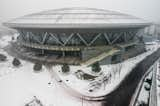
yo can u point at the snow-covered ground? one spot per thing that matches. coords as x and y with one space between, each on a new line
19 85
144 94
18 88
117 73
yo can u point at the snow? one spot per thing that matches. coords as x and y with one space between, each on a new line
152 45
144 94
18 85
158 84
117 71
153 94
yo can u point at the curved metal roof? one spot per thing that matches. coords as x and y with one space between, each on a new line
77 18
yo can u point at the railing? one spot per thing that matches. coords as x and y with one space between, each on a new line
153 91
153 97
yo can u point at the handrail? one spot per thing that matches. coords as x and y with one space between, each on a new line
153 91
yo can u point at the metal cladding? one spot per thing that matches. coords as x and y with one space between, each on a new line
77 18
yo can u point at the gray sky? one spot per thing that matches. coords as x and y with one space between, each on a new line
147 9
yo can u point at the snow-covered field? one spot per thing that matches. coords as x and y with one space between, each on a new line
19 85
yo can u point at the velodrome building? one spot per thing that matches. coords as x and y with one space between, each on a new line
79 36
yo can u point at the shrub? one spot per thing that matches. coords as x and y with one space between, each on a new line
12 38
149 81
65 68
85 76
3 57
96 67
147 87
142 103
16 62
37 67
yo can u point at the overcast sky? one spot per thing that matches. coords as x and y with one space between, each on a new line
147 9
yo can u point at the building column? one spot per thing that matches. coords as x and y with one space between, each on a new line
63 53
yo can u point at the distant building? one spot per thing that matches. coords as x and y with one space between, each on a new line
80 35
158 31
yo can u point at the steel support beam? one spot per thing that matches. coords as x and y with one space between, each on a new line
94 39
52 35
125 36
119 35
132 34
70 36
35 39
107 38
82 39
27 36
23 36
110 37
44 38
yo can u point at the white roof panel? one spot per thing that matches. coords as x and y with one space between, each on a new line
77 18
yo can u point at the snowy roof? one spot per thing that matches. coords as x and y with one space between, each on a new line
77 18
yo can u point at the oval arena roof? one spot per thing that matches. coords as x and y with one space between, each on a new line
77 18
